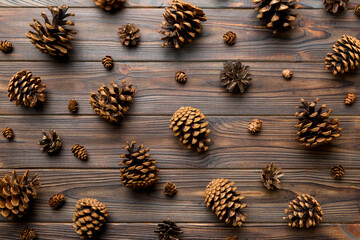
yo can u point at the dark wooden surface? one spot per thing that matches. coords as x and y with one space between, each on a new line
235 154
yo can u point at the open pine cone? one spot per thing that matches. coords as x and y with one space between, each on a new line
113 103
223 199
50 143
168 230
314 126
17 194
53 37
235 76
335 6
182 23
270 176
304 211
345 56
138 170
6 46
129 35
28 233
109 5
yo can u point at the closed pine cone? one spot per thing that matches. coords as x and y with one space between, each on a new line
337 171
129 35
223 199
57 200
287 74
90 216
255 125
277 14
229 38
314 125
170 189
108 62
50 143
235 76
182 23
350 98
137 169
109 5
357 10
113 103
168 230
335 6
53 37
28 233
345 56
26 90
232 238
270 176
79 151
304 211
8 133
181 77
17 194
6 46
188 124
73 105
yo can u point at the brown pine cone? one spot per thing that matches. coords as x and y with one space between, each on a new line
287 74
270 176
229 38
57 200
232 238
79 152
170 189
235 76
337 171
6 46
181 77
50 143
350 98
73 105
108 62
168 230
357 10
129 35
28 233
255 125
109 5
8 133
335 6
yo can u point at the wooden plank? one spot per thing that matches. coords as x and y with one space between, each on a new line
159 93
233 147
317 31
192 231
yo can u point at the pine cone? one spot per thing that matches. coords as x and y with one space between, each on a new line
8 133
314 126
335 6
79 152
304 211
168 230
109 5
337 171
270 176
235 76
6 46
90 215
255 125
53 37
28 233
73 105
26 89
345 56
138 170
277 14
108 62
129 35
182 23
357 10
17 194
181 77
350 98
170 189
287 74
57 200
113 104
232 238
188 124
50 143
223 199
229 38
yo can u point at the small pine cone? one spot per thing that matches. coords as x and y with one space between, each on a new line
6 46
188 124
26 90
50 143
73 105
28 233
255 125
129 35
79 152
181 77
337 171
8 133
223 199
109 5
335 6
270 176
350 98
89 217
287 74
232 238
170 189
235 76
304 211
168 230
108 62
357 10
229 38
57 200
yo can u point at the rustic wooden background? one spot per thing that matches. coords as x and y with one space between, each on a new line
235 154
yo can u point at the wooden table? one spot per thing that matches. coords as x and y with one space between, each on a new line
235 154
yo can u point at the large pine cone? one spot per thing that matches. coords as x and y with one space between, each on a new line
138 170
26 90
235 76
182 23
314 126
50 143
54 37
129 35
168 230
108 5
277 14
345 56
113 104
17 194
304 211
270 176
223 199
90 215
335 6
188 124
